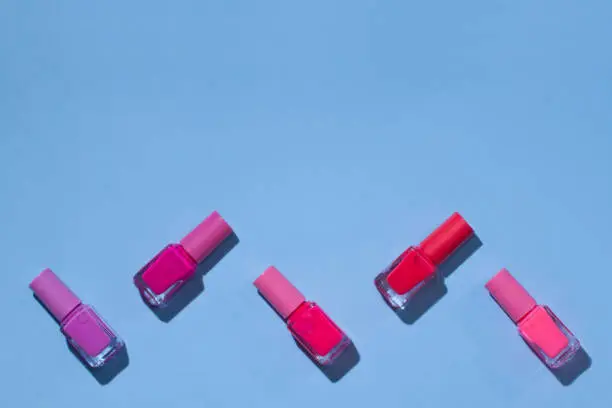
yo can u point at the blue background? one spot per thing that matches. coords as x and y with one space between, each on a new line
331 135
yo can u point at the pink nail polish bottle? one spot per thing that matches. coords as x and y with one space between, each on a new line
308 323
85 330
159 279
538 326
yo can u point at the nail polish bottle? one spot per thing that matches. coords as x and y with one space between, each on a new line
538 326
84 329
399 282
306 321
174 265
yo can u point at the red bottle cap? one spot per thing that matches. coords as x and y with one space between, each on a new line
207 236
446 238
510 295
279 292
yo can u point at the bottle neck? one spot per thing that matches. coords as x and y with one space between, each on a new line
71 314
524 317
184 252
294 312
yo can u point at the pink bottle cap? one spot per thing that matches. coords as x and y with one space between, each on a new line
510 295
207 236
282 295
54 294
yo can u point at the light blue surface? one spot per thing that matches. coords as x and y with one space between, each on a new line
331 135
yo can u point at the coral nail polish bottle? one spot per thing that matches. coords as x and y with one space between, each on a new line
85 330
307 322
159 279
538 326
399 282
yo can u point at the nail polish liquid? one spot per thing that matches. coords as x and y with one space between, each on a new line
85 330
547 336
416 266
174 265
322 339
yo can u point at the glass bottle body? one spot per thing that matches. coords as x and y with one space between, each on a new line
317 333
548 337
400 281
164 275
94 340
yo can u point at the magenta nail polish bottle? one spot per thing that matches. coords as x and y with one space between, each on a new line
84 329
174 265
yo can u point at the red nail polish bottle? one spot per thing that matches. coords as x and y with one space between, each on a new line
412 269
538 326
307 322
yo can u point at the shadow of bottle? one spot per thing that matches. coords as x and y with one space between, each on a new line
340 367
573 369
105 374
111 369
195 286
435 289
